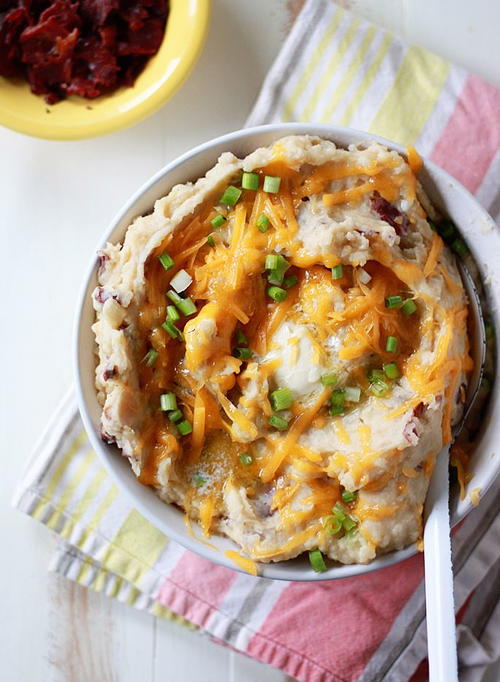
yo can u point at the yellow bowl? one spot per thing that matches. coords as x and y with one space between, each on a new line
76 117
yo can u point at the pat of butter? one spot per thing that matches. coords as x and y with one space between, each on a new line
301 364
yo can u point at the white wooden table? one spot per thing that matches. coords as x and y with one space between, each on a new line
55 201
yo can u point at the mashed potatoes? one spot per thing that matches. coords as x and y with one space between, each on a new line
283 349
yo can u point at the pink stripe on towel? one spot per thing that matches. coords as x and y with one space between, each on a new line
472 135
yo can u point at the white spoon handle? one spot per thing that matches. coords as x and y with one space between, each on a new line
441 637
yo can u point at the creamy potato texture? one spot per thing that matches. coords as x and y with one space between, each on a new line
312 358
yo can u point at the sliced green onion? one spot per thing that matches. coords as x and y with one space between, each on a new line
185 427
349 524
210 241
250 181
316 560
349 496
271 184
393 301
379 388
173 313
168 402
409 307
447 230
338 272
166 261
329 379
186 306
199 480
263 223
246 459
242 353
339 512
151 357
290 281
271 262
277 294
180 281
230 196
241 339
391 370
338 397
391 345
175 416
460 247
375 375
336 410
333 525
171 329
218 220
281 399
278 422
352 394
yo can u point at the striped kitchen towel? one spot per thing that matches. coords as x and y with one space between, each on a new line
334 67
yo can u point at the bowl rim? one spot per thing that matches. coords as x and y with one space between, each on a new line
275 570
51 129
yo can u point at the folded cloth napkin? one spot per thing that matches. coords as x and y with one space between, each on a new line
334 67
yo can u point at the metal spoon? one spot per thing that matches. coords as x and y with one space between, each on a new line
441 638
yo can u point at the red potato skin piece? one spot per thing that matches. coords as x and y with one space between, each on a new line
85 47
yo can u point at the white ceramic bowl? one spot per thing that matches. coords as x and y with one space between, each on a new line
447 195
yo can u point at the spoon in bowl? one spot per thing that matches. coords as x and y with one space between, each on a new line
441 638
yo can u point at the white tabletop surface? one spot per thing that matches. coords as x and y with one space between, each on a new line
56 200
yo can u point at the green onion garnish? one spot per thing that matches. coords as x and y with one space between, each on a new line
391 370
375 375
349 496
241 339
271 262
166 261
151 357
336 410
198 479
246 459
218 221
409 307
168 402
447 230
171 329
338 272
290 281
281 399
333 525
271 184
329 379
278 422
391 345
172 313
230 196
250 181
393 301
338 397
460 247
263 223
352 394
242 353
379 388
186 306
185 427
210 241
277 294
317 562
175 416
349 524
341 515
